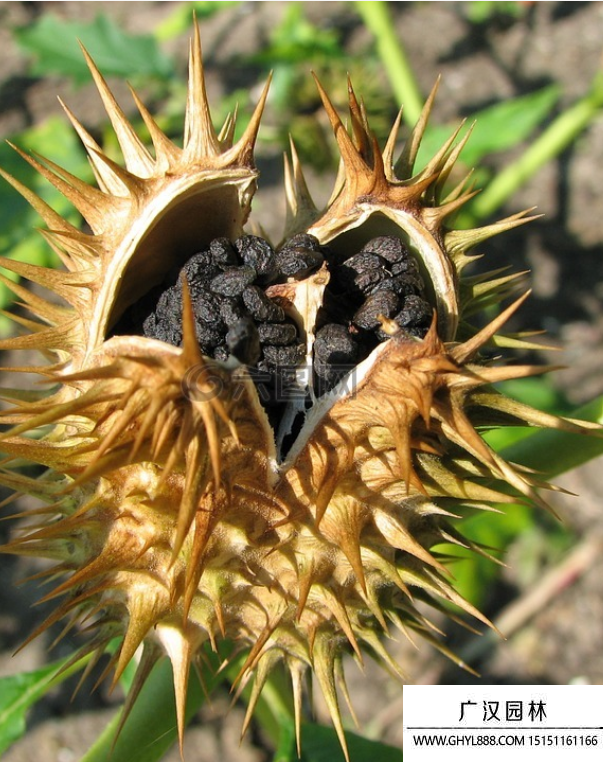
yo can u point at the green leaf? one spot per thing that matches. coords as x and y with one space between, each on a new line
558 135
19 692
298 40
498 128
54 139
19 237
482 12
378 19
150 729
539 393
182 18
549 452
552 452
321 744
54 43
473 574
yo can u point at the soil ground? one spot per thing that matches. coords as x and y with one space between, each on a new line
556 638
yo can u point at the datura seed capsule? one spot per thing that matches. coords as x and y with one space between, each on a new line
255 443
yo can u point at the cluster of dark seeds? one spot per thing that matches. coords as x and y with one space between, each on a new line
381 280
234 316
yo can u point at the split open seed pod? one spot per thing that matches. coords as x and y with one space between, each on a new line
180 511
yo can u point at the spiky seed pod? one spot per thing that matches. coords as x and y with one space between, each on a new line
183 506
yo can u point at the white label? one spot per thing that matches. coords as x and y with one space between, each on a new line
488 723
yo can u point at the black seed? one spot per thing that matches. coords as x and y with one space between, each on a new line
165 323
304 241
416 312
287 357
198 268
335 354
243 341
298 262
348 277
206 307
163 330
231 310
328 375
322 368
414 318
362 262
220 353
370 280
261 307
233 281
405 266
379 303
334 345
208 336
223 253
169 308
149 326
279 334
170 302
389 247
402 285
258 254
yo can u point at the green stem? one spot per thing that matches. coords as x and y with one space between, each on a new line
276 696
43 681
553 452
274 708
60 677
150 729
378 19
556 138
